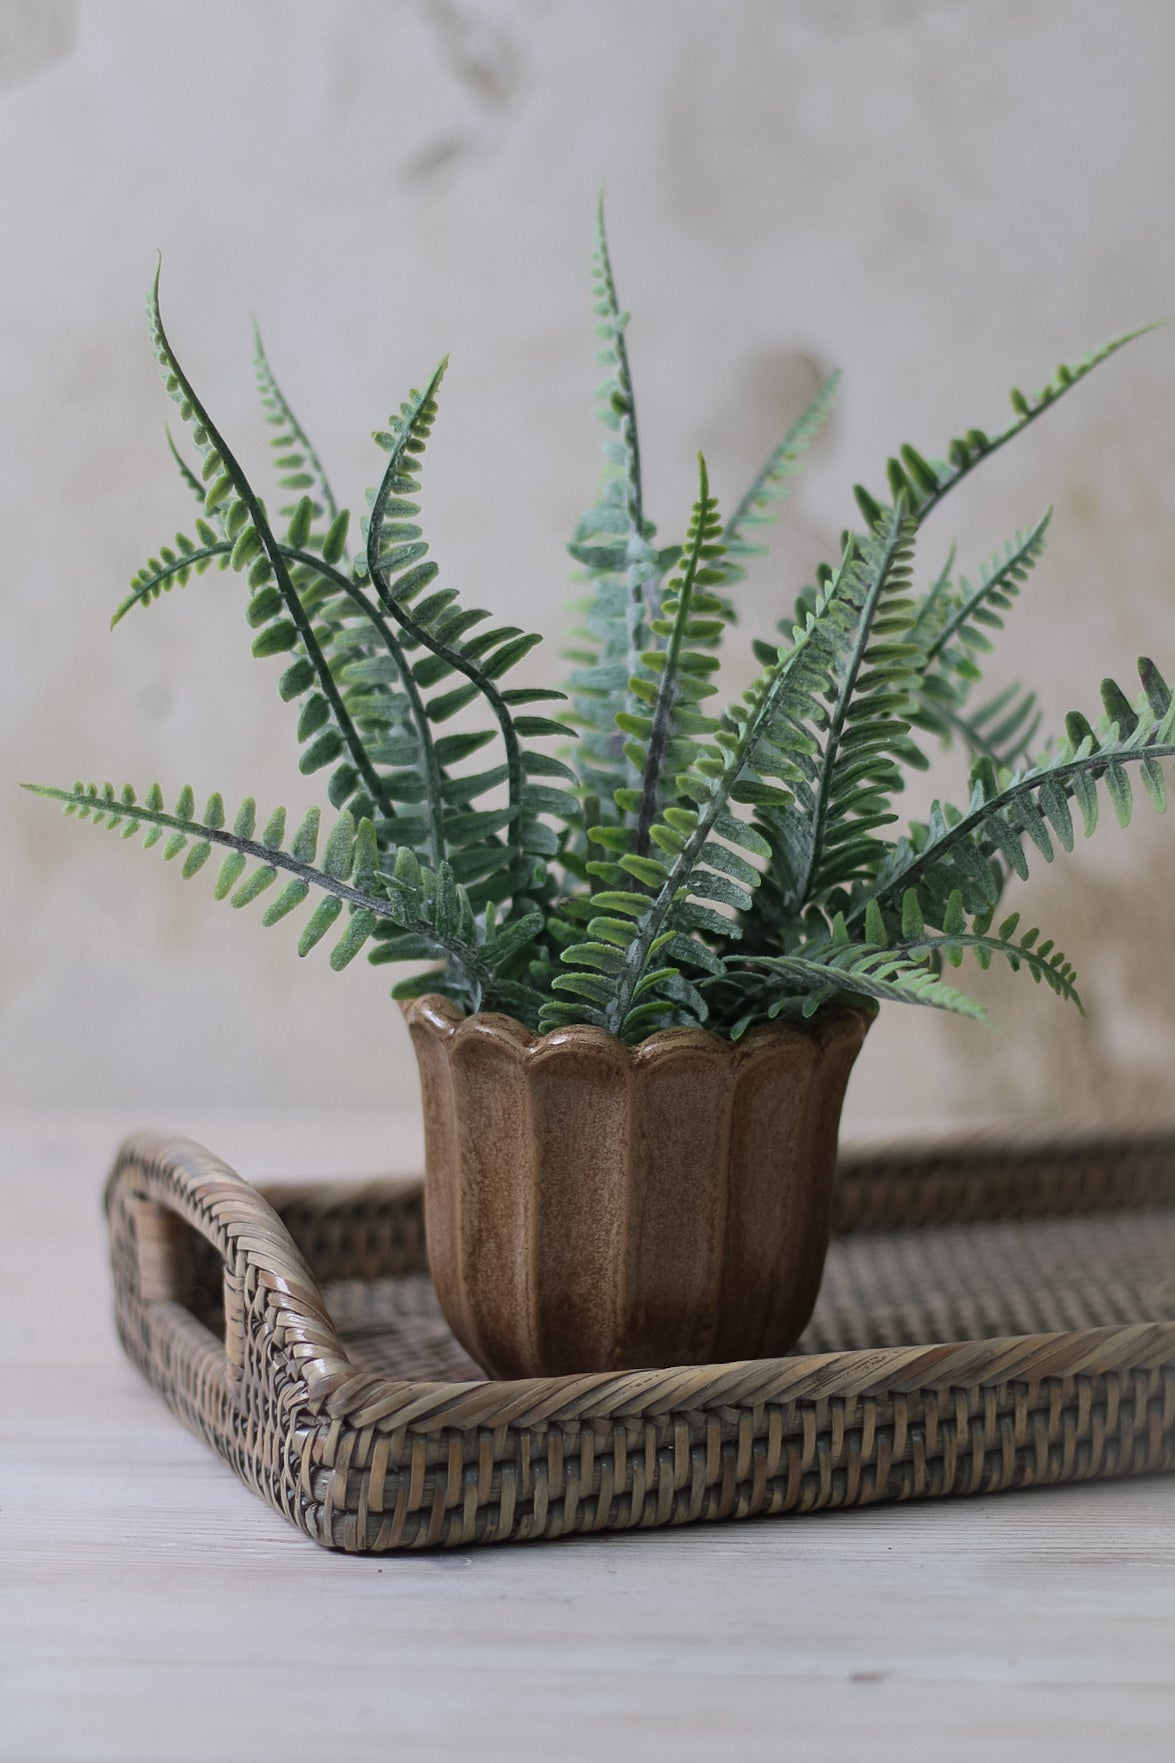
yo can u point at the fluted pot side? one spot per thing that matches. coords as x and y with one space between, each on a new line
591 1206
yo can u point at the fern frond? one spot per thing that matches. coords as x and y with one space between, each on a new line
757 757
924 484
174 566
429 908
613 542
400 571
662 737
1039 958
275 609
799 985
964 850
195 487
845 795
759 506
299 466
890 964
381 696
972 611
616 394
952 627
1002 730
933 608
395 729
663 741
379 750
674 866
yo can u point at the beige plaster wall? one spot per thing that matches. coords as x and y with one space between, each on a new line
942 198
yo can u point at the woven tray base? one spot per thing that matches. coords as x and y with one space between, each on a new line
954 1282
1020 1332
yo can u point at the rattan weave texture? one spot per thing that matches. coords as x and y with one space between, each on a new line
992 1317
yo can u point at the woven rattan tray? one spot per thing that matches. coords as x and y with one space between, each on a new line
992 1317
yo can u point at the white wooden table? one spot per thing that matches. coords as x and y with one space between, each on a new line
152 1610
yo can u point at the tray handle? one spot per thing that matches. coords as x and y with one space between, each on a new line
271 1298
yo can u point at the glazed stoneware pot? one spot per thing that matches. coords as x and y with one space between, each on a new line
591 1206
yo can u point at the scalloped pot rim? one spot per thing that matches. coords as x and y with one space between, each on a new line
441 1018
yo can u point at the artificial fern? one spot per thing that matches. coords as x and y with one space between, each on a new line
668 863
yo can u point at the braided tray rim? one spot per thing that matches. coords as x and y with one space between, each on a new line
365 1463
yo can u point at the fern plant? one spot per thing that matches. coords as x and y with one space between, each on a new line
652 860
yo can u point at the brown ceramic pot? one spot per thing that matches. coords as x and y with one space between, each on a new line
591 1206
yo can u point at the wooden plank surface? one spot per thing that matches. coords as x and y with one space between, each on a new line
153 1611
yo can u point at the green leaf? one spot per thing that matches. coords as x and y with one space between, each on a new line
334 545
340 848
321 920
645 869
277 639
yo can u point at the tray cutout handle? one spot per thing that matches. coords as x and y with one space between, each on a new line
166 1266
164 1194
